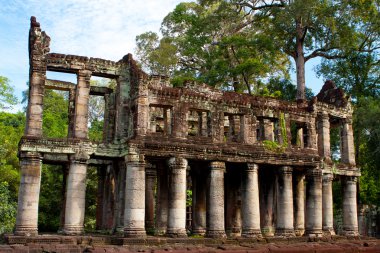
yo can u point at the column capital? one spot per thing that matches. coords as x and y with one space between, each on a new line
252 167
351 179
313 174
177 163
327 178
31 155
285 170
217 165
347 120
84 73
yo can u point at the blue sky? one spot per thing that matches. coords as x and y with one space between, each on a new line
97 28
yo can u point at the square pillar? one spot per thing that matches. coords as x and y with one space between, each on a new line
324 136
82 96
348 148
29 193
150 203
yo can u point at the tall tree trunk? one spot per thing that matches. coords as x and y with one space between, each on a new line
300 61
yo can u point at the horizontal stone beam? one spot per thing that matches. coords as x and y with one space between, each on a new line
59 85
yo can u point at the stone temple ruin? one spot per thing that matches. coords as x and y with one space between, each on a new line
257 166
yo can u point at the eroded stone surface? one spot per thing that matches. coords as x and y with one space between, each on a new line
160 141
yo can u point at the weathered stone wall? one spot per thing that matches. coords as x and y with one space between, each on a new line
248 157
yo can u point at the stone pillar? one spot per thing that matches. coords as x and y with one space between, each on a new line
162 199
121 194
267 202
350 212
75 196
348 148
150 177
268 130
250 203
71 112
215 201
28 196
134 211
324 136
199 202
299 205
327 205
284 223
99 198
177 197
300 142
81 104
65 173
233 202
314 202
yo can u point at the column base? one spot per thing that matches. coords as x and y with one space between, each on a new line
314 232
216 234
134 233
26 230
199 231
251 233
328 231
160 231
72 230
267 231
288 232
299 232
176 233
350 232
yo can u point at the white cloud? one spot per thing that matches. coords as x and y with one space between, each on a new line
97 28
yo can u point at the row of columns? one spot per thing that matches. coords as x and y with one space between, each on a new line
293 215
208 204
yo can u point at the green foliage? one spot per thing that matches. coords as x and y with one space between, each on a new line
95 132
274 146
7 98
11 130
55 115
367 134
91 191
7 209
189 198
50 204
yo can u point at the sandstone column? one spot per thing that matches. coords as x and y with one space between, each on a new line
121 194
327 205
177 197
250 204
267 202
284 224
233 202
348 148
75 196
268 130
314 202
324 136
350 213
215 201
150 177
134 212
199 203
299 205
28 196
81 104
162 199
